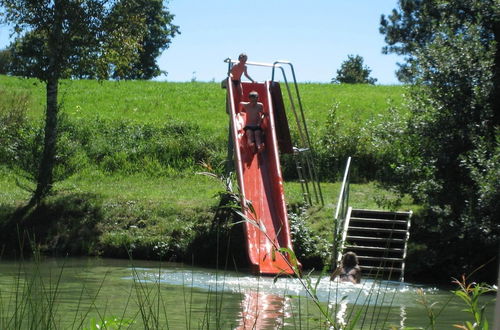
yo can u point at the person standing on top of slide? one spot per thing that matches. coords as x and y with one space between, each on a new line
237 71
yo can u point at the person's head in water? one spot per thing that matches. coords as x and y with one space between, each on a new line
350 259
253 95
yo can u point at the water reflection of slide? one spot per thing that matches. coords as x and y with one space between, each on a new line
261 184
260 310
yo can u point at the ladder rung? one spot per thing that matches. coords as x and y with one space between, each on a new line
365 211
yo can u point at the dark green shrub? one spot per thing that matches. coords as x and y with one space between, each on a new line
368 144
20 139
312 251
114 147
5 60
447 156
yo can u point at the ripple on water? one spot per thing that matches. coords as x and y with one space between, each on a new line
371 292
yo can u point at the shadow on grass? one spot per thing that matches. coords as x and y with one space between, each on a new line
60 225
221 242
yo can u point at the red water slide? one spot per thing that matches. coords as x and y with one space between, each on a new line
261 185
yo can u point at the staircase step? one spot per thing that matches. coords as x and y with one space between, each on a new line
380 259
385 230
384 269
379 220
375 239
367 211
373 248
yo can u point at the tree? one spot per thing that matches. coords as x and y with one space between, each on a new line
158 36
450 147
53 39
5 60
352 71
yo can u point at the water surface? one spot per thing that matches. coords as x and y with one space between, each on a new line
176 296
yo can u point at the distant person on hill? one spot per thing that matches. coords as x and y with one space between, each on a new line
238 70
349 270
254 113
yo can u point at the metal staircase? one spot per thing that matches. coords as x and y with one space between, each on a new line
380 240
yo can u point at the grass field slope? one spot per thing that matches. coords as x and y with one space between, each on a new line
129 152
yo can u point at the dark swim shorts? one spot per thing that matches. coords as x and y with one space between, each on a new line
252 128
235 82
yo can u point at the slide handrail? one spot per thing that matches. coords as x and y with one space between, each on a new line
302 129
234 135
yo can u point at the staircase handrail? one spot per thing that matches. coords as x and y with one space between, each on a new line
340 215
341 211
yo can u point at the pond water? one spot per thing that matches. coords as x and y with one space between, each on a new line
79 291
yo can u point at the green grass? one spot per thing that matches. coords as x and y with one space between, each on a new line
357 103
147 211
178 192
131 149
11 193
137 101
197 102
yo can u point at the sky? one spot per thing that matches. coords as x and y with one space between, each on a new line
316 36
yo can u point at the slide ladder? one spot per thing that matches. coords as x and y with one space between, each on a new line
303 152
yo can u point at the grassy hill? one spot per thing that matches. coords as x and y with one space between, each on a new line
195 102
129 153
